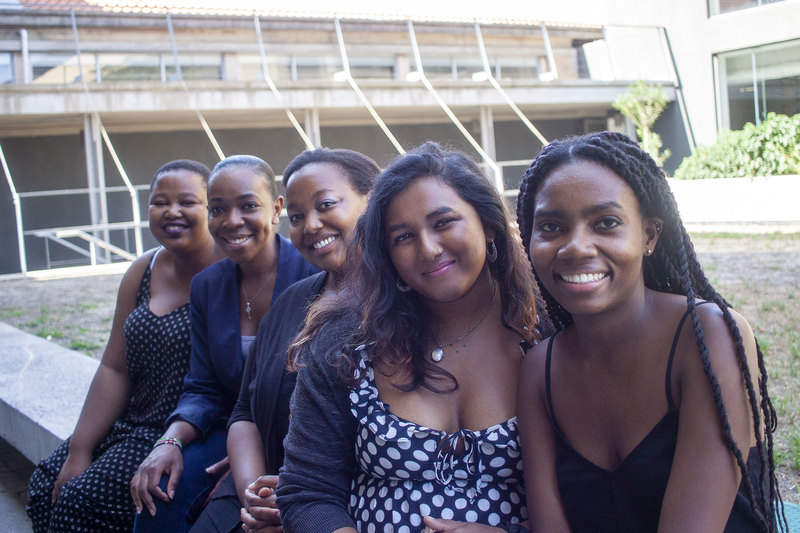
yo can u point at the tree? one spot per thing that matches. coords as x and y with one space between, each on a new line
642 105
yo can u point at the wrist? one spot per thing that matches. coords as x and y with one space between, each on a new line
173 441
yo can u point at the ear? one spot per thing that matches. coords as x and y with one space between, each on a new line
489 233
652 231
277 207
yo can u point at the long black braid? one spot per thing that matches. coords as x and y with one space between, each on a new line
672 268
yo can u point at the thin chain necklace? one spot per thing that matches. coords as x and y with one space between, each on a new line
437 354
248 309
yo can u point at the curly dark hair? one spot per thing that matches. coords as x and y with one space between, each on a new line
672 268
397 323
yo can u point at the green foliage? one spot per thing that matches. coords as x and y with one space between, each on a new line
770 149
642 105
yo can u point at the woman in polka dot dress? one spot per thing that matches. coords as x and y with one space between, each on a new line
83 485
404 413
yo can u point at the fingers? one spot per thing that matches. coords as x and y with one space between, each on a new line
172 484
251 523
219 466
264 481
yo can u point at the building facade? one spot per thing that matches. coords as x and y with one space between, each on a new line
96 96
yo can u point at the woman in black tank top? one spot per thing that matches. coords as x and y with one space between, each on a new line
647 411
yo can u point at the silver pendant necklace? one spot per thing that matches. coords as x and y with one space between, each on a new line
248 309
437 354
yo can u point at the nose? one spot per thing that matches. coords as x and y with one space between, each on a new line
312 223
234 218
429 248
174 210
579 244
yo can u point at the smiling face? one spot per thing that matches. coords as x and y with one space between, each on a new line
588 238
323 208
178 215
241 213
436 240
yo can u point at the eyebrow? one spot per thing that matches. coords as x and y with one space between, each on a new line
433 214
591 210
240 197
315 196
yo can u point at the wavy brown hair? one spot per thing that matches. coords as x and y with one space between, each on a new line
396 324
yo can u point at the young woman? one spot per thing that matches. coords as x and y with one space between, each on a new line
326 192
83 485
404 406
648 410
227 302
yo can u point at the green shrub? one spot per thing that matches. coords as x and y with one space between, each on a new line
770 149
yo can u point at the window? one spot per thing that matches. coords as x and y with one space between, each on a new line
60 68
6 69
718 7
129 67
757 81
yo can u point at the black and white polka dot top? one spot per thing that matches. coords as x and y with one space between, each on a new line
407 471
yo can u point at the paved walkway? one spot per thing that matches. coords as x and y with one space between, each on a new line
15 470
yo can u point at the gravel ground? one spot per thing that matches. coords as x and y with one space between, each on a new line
758 274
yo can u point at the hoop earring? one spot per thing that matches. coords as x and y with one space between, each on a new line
401 286
491 251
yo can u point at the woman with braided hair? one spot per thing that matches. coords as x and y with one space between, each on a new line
648 410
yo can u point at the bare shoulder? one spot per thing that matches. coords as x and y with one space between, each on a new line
129 285
533 364
723 338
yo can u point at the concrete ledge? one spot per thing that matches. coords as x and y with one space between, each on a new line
42 389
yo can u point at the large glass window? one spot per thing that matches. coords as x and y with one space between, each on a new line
60 68
280 67
758 81
197 67
129 67
6 68
717 7
317 68
372 67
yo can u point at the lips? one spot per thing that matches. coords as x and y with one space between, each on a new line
237 240
324 242
439 269
174 229
584 277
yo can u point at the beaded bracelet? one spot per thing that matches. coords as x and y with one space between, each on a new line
169 440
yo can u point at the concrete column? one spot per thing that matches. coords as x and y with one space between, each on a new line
487 132
312 126
96 176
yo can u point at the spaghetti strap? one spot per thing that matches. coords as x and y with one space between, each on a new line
153 259
547 383
668 377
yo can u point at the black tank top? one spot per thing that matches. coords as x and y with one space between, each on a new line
628 499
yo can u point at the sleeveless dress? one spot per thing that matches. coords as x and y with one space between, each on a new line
407 471
629 498
157 359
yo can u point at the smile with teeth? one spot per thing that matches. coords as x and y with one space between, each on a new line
237 240
323 243
174 227
583 278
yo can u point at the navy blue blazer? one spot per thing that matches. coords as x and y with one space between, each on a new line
212 385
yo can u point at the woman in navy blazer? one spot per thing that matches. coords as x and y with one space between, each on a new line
228 300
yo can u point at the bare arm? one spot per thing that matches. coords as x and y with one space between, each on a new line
110 390
545 510
705 477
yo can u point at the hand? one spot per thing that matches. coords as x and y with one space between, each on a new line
164 459
440 524
75 465
221 468
260 512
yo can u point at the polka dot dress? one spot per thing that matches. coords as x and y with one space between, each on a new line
157 359
408 471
